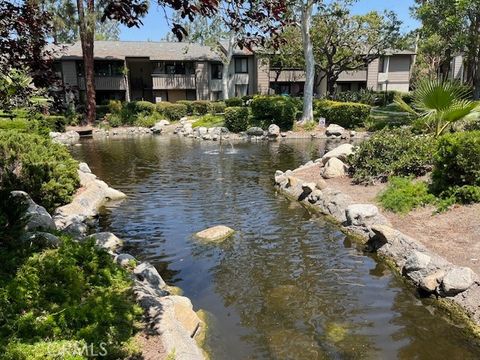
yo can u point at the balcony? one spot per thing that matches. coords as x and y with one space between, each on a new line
173 81
288 76
105 83
358 75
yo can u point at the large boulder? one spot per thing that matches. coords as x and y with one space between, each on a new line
364 215
416 261
341 152
35 217
146 272
107 241
457 280
66 138
334 130
334 168
215 234
255 131
273 131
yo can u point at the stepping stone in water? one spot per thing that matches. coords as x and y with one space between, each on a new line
216 233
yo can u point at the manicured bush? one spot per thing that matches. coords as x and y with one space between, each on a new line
172 112
392 152
200 107
235 101
403 195
35 164
189 104
457 166
75 293
143 107
216 107
236 118
279 110
345 114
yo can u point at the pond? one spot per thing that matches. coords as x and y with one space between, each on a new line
288 284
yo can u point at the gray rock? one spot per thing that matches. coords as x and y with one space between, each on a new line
359 214
107 241
273 131
83 167
66 138
341 152
431 282
124 260
147 272
35 217
334 130
215 233
457 280
255 131
43 239
334 203
416 261
334 168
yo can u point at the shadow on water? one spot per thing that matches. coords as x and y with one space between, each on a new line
287 285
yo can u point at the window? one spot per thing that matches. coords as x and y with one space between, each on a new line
217 71
241 65
102 68
382 65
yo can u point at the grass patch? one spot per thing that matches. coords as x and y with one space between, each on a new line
209 121
403 195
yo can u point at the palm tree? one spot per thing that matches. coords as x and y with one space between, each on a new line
441 103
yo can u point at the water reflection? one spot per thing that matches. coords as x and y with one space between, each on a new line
285 286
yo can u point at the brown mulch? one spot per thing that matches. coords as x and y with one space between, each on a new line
151 345
454 234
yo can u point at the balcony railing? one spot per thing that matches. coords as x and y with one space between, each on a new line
177 81
105 83
359 75
288 75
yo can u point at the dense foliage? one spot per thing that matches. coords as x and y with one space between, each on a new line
346 114
392 152
200 107
70 296
216 107
457 167
35 164
172 112
235 101
403 195
209 120
236 118
279 110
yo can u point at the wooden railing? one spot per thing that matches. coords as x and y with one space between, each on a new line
167 81
288 75
105 83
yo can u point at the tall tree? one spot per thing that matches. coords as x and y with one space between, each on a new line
345 42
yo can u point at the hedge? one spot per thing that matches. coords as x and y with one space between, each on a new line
236 118
35 164
216 107
345 114
279 110
188 104
235 101
172 112
200 107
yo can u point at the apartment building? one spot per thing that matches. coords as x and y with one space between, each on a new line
172 71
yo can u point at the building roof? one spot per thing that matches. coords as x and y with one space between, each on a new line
162 50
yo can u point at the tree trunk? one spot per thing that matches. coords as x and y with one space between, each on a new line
331 81
87 36
476 67
226 65
307 115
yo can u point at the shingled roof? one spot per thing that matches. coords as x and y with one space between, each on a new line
162 50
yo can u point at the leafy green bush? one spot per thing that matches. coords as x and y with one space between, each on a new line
35 164
348 115
456 169
75 293
402 195
114 106
200 107
15 124
102 110
172 112
279 110
115 120
54 122
235 101
236 118
209 120
146 120
145 107
216 107
392 152
189 104
46 350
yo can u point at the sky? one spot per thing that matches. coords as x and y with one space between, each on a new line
155 26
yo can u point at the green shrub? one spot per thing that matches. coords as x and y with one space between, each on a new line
102 110
392 152
73 293
46 350
209 120
403 195
115 120
15 124
146 120
114 106
54 122
216 107
188 104
144 107
200 107
236 118
35 164
279 110
235 101
345 114
172 112
457 166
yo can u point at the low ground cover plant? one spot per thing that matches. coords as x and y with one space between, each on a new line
392 152
37 165
209 120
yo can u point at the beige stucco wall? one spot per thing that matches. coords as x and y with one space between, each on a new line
202 72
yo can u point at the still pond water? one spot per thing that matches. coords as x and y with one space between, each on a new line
288 284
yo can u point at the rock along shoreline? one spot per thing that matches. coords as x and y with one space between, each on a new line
457 289
168 316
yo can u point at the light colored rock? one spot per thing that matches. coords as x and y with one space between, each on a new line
416 261
457 280
255 131
341 152
357 214
334 130
66 138
44 239
283 134
431 282
334 203
353 133
201 130
146 272
124 260
35 217
83 167
107 241
215 233
321 184
334 168
273 131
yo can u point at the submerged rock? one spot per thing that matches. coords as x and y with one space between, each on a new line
216 233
